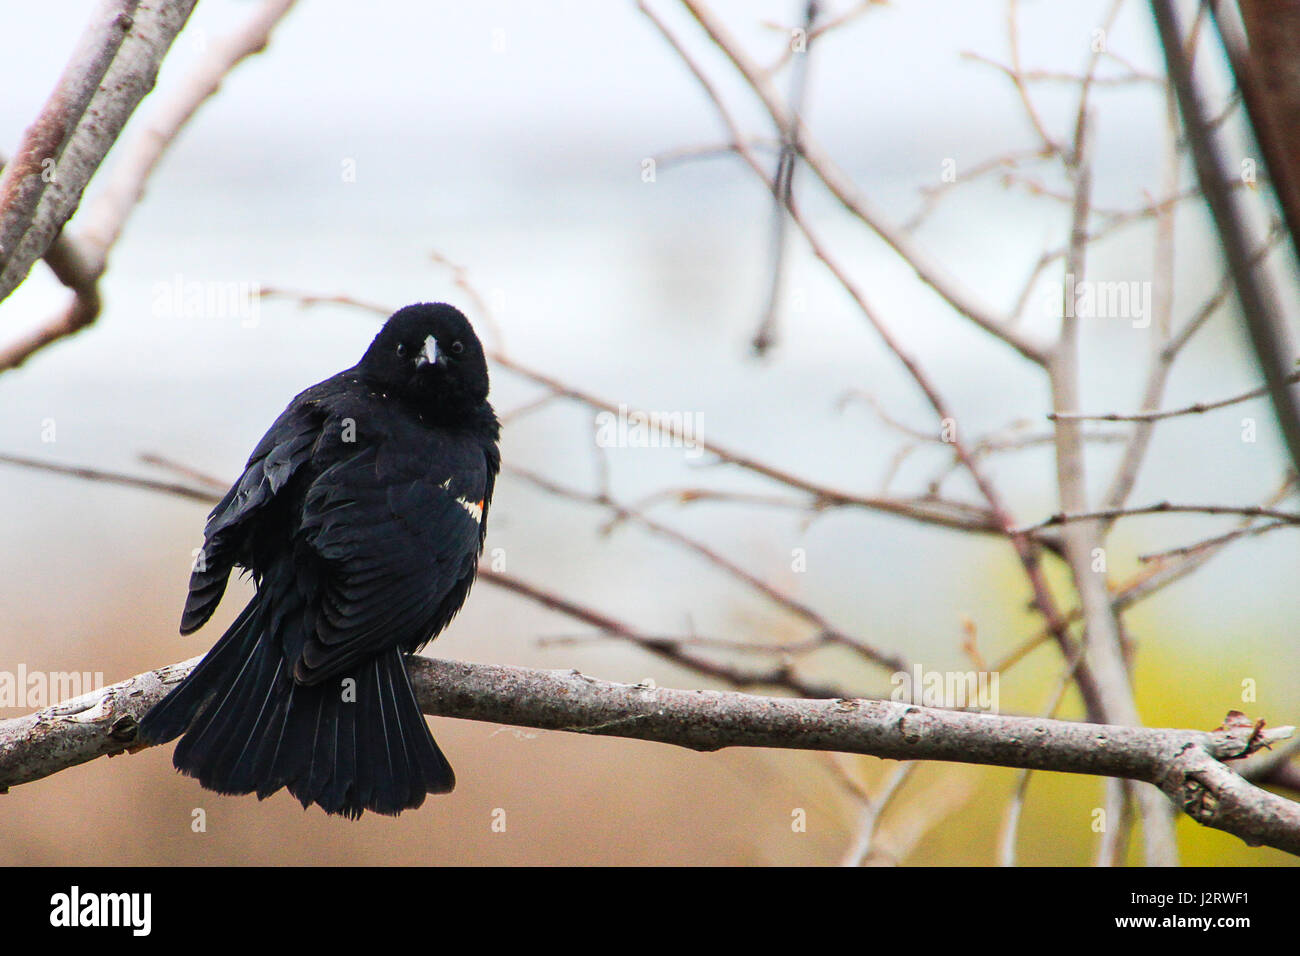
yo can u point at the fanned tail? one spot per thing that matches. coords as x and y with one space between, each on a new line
170 717
367 745
355 742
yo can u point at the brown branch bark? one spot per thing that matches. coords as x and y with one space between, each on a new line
113 69
80 260
1187 765
1260 307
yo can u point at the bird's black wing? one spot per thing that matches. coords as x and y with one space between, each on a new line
393 531
281 453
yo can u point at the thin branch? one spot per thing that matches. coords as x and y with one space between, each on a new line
1163 507
1026 549
839 185
817 32
219 485
1016 74
1130 78
1162 358
873 808
676 650
204 495
942 512
1217 541
1196 408
1162 361
783 184
933 194
1103 630
827 633
1160 573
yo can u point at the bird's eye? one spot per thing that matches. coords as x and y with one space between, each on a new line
402 349
458 346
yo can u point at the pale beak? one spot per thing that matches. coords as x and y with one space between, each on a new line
429 354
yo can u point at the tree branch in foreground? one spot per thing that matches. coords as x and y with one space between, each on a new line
79 258
113 69
1185 764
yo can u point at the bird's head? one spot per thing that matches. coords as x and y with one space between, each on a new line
428 355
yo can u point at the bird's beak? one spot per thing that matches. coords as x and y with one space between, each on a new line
429 354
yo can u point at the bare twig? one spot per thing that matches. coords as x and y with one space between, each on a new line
942 512
1026 549
821 29
1159 330
113 478
1103 640
678 650
1164 507
783 183
839 185
1016 74
1217 541
872 810
1196 408
827 634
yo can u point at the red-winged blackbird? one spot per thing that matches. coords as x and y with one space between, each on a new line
360 516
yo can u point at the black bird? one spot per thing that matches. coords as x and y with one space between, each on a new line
360 517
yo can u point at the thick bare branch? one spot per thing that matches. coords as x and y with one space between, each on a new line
1260 306
79 260
1185 764
114 68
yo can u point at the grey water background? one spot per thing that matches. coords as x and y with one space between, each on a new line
510 138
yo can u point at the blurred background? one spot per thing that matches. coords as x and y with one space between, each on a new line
511 139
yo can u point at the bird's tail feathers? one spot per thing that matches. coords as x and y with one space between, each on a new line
352 743
170 717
